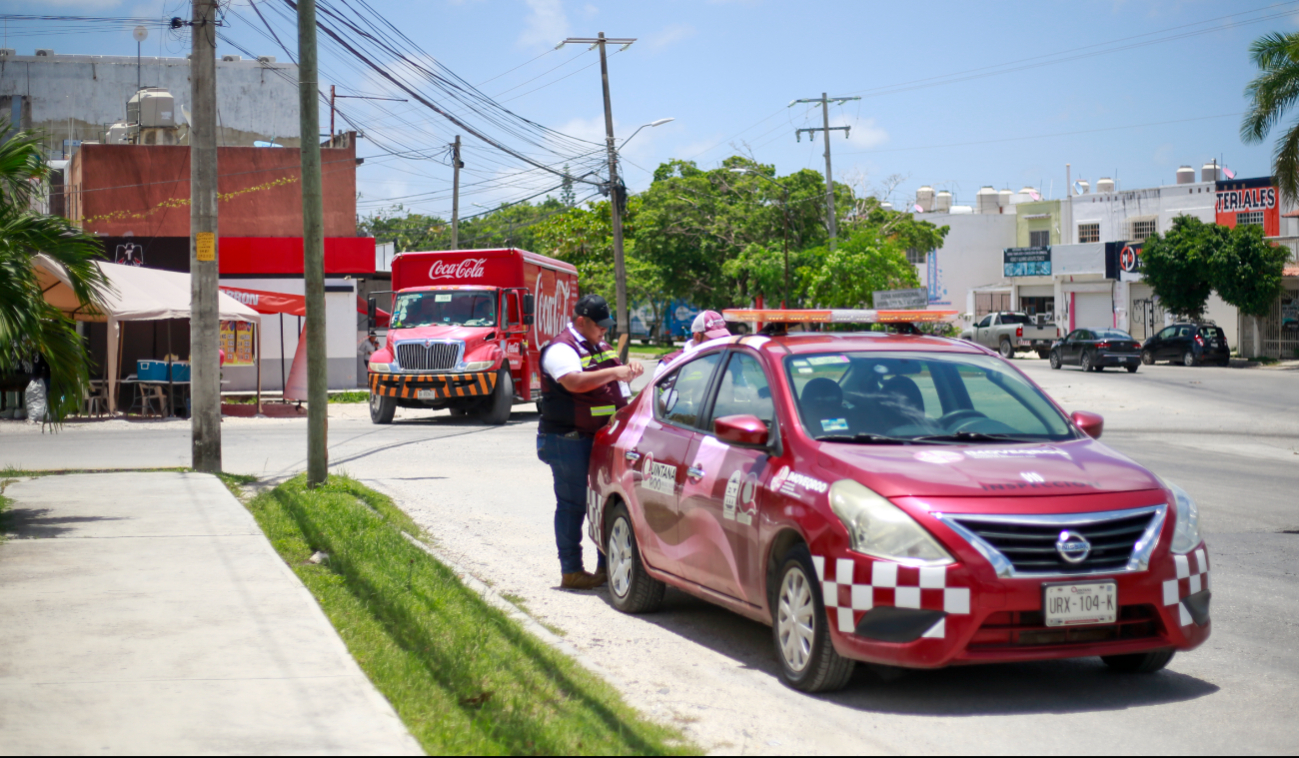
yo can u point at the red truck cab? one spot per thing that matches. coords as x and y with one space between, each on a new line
466 331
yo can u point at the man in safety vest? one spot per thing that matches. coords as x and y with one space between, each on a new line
582 385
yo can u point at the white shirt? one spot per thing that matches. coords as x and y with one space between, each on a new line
561 360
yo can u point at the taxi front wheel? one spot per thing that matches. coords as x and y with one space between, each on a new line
632 590
1139 663
808 660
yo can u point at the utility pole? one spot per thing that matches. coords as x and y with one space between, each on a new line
456 165
204 323
313 247
615 189
829 175
332 96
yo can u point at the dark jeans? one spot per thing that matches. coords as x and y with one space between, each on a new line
569 460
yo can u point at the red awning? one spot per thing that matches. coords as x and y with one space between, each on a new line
294 305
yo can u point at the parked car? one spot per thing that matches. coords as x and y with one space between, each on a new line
1094 349
897 499
1008 333
1188 344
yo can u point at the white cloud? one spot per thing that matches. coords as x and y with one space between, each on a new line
864 133
670 35
545 26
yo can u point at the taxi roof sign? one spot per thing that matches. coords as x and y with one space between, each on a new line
835 316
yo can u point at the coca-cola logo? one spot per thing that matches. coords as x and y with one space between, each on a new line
469 268
552 310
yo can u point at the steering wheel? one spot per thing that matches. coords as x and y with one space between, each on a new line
966 413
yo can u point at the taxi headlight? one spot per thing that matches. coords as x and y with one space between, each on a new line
380 368
479 365
1186 527
880 528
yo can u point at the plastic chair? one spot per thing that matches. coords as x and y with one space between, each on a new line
96 402
152 397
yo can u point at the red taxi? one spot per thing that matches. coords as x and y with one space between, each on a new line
898 499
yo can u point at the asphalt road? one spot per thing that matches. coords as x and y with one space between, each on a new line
1230 437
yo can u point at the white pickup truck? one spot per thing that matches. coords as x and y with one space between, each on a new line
1009 333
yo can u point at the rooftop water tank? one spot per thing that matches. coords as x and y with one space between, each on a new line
1210 172
1026 195
1186 175
1004 199
886 205
925 198
152 107
960 210
1104 185
985 200
943 201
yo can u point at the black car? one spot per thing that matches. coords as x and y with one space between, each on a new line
1187 344
1094 349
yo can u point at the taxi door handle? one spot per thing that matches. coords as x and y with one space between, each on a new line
695 472
631 455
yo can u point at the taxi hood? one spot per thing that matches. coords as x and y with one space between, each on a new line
1075 467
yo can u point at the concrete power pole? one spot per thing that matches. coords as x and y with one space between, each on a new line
313 248
615 189
204 323
456 165
829 175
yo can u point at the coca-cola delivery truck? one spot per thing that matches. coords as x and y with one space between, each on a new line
466 331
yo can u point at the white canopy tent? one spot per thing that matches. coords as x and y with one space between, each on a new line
135 294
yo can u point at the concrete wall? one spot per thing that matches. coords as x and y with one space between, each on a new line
1112 210
255 101
143 190
970 257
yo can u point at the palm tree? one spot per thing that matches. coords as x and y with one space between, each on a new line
1274 90
29 325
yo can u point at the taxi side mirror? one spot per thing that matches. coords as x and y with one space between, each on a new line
371 313
1091 424
743 430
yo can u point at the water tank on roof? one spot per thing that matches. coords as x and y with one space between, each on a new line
1210 172
925 198
960 210
1026 194
943 202
1186 175
985 200
1004 198
1104 185
118 134
152 107
886 205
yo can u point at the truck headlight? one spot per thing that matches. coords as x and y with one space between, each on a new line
1186 527
880 528
381 368
479 365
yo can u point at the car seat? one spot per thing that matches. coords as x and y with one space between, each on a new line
821 399
905 395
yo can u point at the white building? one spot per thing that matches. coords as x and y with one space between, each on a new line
969 259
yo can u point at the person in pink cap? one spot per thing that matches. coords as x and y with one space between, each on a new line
708 325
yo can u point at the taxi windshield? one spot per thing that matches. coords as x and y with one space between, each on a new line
454 308
933 398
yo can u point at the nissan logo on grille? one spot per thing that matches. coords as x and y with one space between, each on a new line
1072 546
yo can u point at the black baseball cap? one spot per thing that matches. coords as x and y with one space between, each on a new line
595 308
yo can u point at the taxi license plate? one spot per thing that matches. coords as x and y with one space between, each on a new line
1078 604
426 394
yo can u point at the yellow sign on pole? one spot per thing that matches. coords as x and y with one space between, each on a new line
205 245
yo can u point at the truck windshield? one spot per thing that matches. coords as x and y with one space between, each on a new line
926 398
454 308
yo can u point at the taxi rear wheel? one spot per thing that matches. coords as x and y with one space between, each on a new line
1139 663
632 590
808 660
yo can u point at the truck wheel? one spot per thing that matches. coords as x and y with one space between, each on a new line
1139 663
382 408
630 588
496 411
808 660
1006 349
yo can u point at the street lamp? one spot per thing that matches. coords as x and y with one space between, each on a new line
785 207
660 122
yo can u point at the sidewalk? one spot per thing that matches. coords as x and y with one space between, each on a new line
147 613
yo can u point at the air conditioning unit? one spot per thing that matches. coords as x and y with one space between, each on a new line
1041 319
6 52
44 52
231 58
266 59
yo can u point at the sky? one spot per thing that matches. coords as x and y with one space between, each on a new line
953 95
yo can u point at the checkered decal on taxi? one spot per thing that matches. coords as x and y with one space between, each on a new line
1189 580
884 583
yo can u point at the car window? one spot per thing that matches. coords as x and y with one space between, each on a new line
909 395
1184 331
679 397
1075 335
743 390
1113 334
985 322
1210 332
1015 318
1168 333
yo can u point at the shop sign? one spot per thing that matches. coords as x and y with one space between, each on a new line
1027 261
1249 201
902 300
1123 261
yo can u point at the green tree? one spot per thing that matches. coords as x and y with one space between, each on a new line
847 277
1176 265
1247 273
28 324
1271 94
566 194
504 226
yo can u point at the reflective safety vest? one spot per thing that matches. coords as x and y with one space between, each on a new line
584 412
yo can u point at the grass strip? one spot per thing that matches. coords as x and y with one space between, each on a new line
464 677
358 396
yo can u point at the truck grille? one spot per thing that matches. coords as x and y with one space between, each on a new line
1029 544
428 356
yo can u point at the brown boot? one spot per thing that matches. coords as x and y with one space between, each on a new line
581 580
601 576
